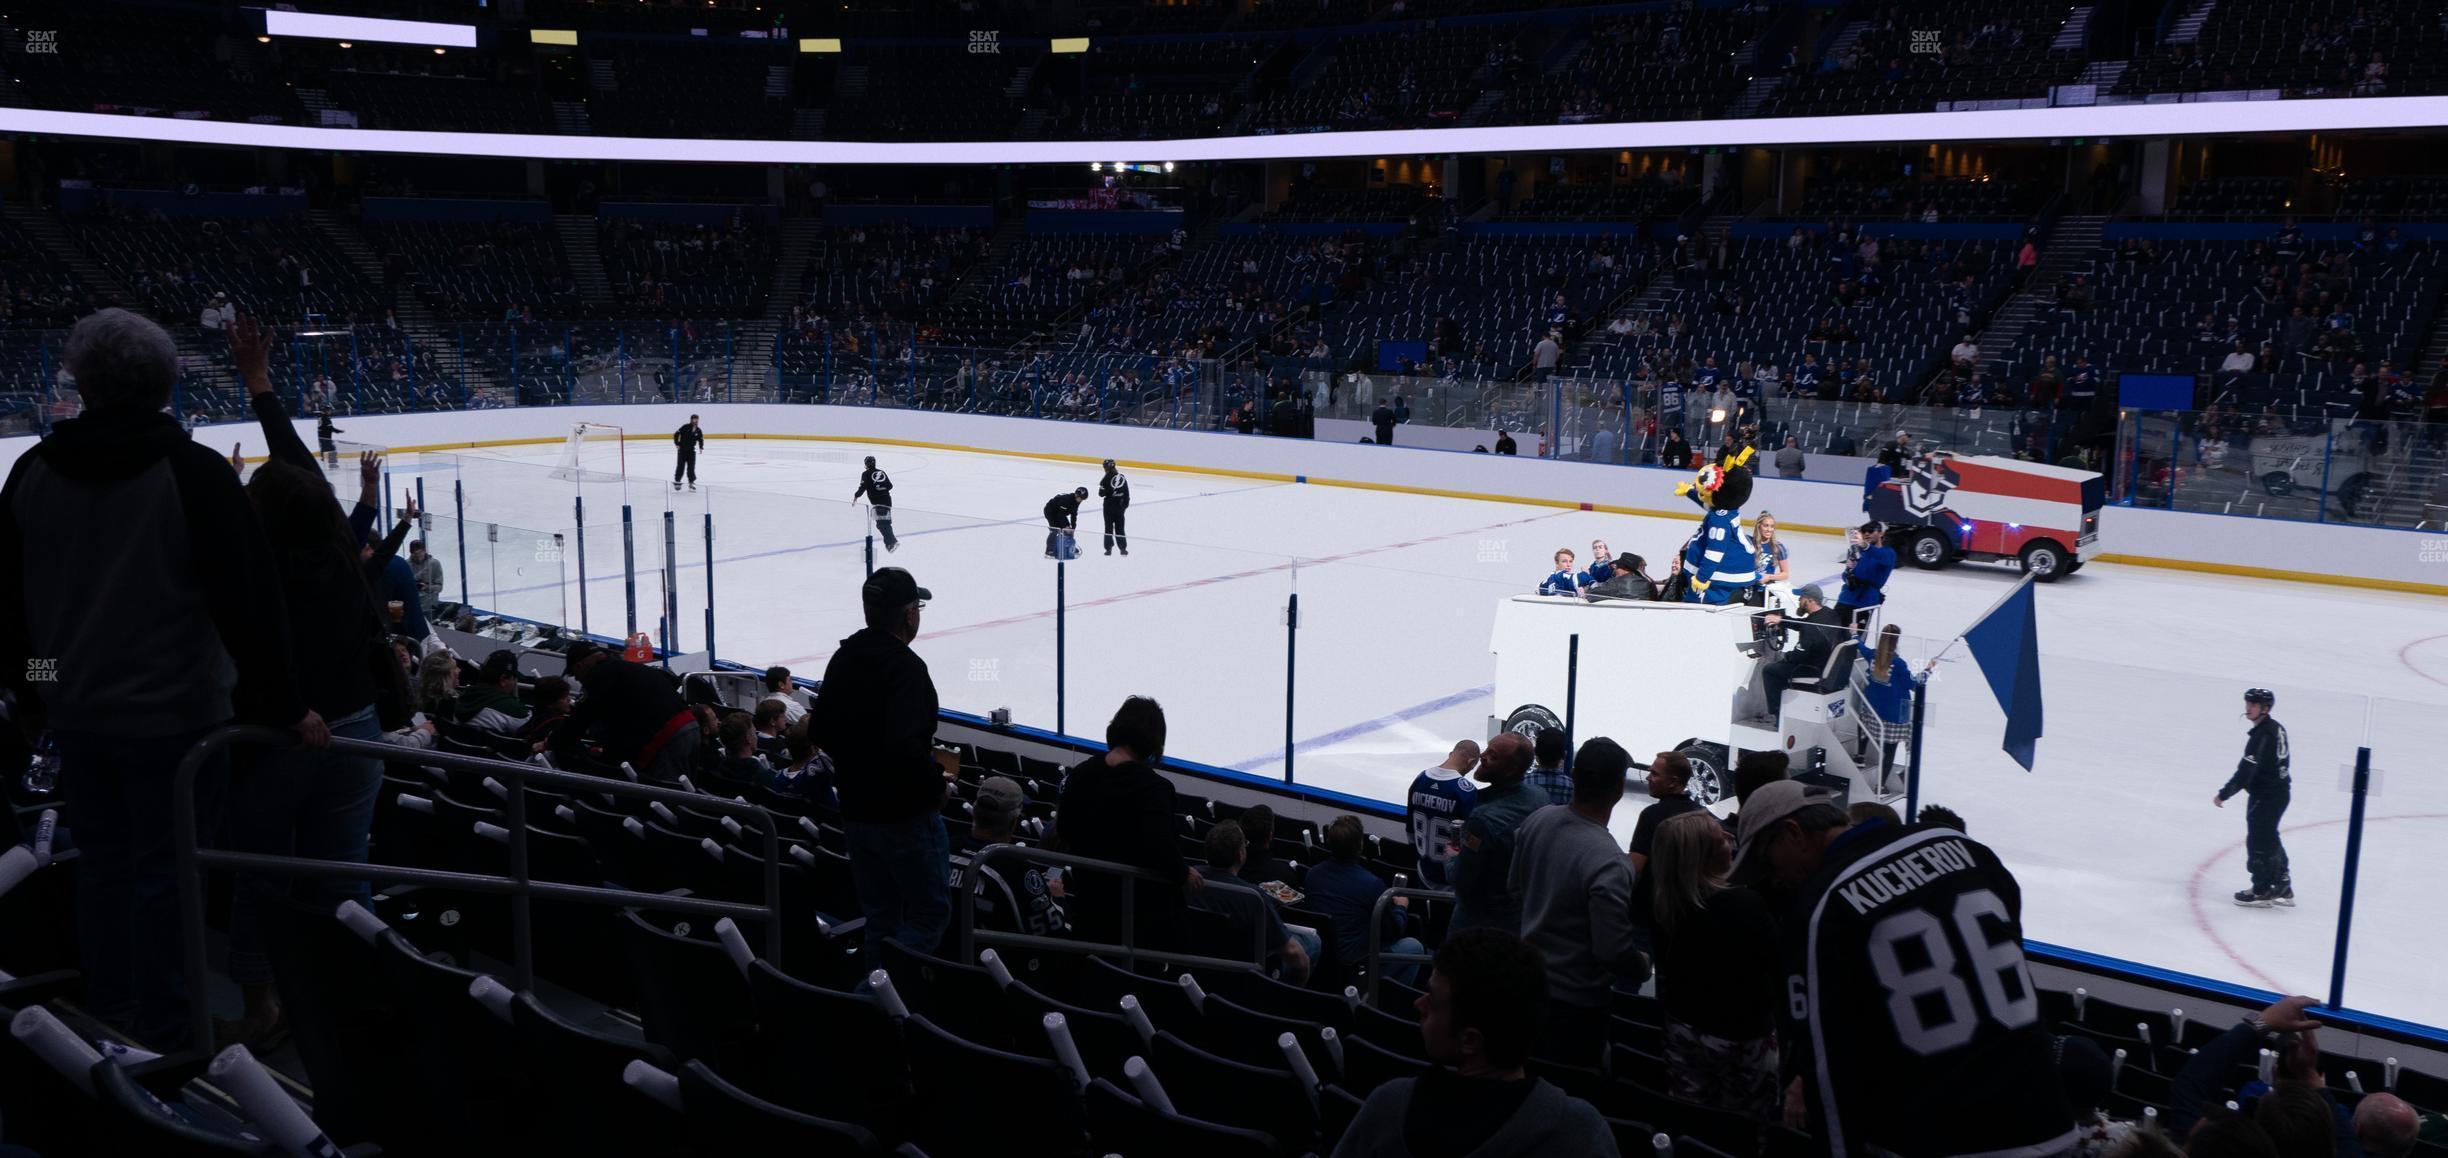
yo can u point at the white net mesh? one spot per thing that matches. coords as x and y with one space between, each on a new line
595 453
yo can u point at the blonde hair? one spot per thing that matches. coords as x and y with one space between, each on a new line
1765 521
1679 868
1884 660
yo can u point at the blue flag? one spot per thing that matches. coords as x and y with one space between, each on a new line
2006 645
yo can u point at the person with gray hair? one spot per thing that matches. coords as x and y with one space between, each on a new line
2385 1126
138 612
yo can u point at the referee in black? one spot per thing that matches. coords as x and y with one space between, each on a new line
687 439
876 487
1115 490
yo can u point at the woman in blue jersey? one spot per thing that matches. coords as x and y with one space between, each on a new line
1770 549
1888 691
1566 581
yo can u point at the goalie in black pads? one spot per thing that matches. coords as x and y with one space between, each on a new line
1062 523
1914 1027
876 487
1115 490
2262 776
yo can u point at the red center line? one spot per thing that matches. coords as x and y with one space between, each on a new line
1204 581
2201 920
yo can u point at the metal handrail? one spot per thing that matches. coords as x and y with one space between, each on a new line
971 937
1376 934
192 860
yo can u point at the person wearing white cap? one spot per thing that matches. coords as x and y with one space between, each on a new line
1904 956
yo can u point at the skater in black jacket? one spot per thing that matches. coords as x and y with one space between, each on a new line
876 487
1115 490
2262 777
1062 519
687 439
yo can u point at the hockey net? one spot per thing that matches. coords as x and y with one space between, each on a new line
595 452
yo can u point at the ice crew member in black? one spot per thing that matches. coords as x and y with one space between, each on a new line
687 439
1062 517
876 487
2262 777
1115 490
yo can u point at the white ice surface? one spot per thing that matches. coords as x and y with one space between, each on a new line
2113 836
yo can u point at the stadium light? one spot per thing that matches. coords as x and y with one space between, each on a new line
324 26
1096 166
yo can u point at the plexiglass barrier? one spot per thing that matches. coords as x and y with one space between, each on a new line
1395 655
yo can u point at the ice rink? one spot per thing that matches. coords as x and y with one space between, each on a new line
2114 836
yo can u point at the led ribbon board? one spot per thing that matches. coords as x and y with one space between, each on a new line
2163 120
324 26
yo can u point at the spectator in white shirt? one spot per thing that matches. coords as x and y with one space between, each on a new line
217 313
2238 361
778 688
1966 352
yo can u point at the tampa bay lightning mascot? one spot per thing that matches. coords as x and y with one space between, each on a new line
1719 563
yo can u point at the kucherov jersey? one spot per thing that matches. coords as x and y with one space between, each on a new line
1440 801
1923 1033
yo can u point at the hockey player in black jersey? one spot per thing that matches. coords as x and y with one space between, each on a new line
1062 521
1115 490
876 487
2262 776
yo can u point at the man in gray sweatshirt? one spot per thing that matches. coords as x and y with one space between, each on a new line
1575 888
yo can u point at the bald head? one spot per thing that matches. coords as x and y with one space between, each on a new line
1464 755
2384 1125
1507 759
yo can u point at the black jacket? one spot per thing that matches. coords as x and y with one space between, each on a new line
1115 490
875 486
1814 637
875 716
689 437
130 560
2266 763
626 705
329 596
1062 510
1128 813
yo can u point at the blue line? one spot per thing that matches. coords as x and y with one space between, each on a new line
1381 723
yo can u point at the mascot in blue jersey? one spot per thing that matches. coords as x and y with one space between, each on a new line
1719 562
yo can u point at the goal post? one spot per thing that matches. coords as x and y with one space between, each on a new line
595 452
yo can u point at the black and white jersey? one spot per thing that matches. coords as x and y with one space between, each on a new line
2267 766
875 486
1115 490
1922 1029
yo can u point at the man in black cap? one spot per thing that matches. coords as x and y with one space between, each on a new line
875 716
1115 490
876 487
1062 522
634 712
1815 632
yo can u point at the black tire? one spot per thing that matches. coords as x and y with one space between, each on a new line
1528 720
1712 773
2044 560
2278 484
1928 551
2074 566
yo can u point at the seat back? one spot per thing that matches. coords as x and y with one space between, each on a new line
1255 990
573 1098
1367 1065
1119 1123
1230 1029
690 995
723 1117
470 1095
1217 1089
973 1099
860 1072
132 1121
961 998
